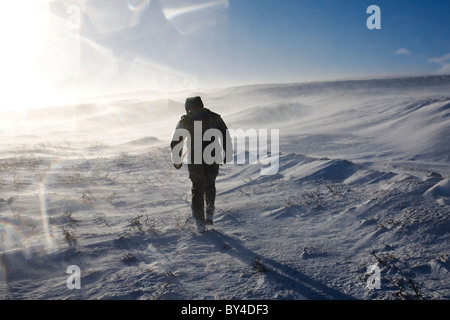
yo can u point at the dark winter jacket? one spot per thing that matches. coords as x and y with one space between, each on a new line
209 120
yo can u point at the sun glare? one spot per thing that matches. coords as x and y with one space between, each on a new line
46 61
23 32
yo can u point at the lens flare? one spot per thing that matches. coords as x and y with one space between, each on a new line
174 9
30 234
49 244
189 16
137 9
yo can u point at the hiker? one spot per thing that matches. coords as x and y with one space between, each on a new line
202 172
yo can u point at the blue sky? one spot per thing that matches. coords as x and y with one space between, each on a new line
330 38
90 47
253 41
303 40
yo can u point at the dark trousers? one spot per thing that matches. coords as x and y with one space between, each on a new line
203 179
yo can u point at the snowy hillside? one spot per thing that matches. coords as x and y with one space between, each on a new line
363 180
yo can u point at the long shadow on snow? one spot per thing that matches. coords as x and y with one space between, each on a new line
300 283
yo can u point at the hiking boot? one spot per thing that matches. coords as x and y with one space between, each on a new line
209 218
201 227
209 214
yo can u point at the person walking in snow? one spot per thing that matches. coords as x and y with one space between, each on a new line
204 155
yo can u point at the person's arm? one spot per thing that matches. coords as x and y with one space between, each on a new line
227 143
176 145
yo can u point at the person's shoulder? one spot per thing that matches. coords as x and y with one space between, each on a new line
213 114
184 121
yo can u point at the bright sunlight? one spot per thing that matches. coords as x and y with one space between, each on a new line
24 32
40 52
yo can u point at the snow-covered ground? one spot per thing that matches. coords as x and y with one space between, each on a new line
363 181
